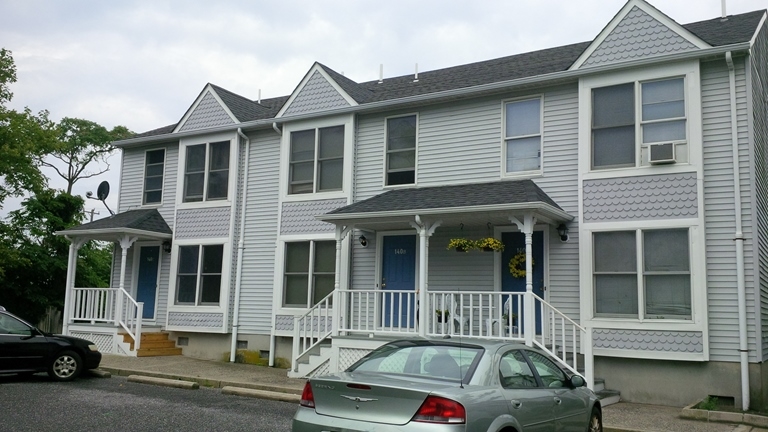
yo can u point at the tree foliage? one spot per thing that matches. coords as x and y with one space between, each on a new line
33 260
80 143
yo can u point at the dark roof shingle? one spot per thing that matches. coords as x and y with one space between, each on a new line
141 219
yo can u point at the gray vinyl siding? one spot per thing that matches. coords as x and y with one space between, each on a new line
199 223
759 83
260 233
363 263
719 214
208 113
459 271
132 180
317 95
560 182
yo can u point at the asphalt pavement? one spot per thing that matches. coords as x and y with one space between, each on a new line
273 383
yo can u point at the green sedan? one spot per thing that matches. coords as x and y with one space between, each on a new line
438 385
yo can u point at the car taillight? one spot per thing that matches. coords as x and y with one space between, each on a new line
307 398
436 409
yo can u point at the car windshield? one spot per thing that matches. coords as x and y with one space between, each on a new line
449 362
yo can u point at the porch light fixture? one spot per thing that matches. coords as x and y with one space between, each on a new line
363 241
167 246
563 231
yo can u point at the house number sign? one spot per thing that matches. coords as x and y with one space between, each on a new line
400 252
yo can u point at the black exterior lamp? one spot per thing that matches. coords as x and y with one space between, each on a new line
563 231
363 241
167 246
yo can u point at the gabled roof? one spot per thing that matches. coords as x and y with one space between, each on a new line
714 32
143 222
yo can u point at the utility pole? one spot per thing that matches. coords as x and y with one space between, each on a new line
92 212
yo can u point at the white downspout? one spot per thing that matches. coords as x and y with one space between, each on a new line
240 249
739 239
422 277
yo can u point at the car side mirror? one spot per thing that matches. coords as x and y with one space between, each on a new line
578 381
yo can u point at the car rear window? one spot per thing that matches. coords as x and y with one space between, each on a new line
437 361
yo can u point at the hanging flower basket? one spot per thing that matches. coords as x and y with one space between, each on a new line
462 244
490 244
517 265
442 315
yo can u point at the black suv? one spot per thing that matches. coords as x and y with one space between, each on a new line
25 349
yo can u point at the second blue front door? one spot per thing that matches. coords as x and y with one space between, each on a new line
514 244
398 273
146 285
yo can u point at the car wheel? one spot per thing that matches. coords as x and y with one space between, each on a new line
595 421
66 366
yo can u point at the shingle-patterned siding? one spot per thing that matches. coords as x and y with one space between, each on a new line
668 196
194 319
659 341
203 223
131 187
260 233
317 95
759 81
560 182
637 35
208 113
299 217
719 214
284 323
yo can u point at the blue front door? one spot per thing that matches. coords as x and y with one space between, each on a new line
514 244
398 273
146 286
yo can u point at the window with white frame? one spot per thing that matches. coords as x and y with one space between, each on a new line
310 272
522 135
617 125
206 172
154 166
316 160
401 150
654 285
198 280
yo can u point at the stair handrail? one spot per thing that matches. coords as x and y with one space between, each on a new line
311 328
128 315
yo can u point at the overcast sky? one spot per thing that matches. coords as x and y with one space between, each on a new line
142 63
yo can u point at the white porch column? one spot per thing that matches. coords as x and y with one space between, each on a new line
339 303
74 245
425 231
125 243
529 312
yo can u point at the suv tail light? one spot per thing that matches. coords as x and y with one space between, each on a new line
436 409
307 398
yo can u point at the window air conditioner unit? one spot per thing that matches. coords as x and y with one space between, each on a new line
661 153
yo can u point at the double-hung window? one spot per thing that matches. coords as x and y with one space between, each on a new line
310 272
154 165
522 135
199 275
317 160
617 125
654 285
401 150
206 172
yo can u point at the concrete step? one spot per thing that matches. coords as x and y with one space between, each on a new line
608 397
157 352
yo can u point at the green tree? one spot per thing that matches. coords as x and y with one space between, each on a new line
80 143
24 137
34 260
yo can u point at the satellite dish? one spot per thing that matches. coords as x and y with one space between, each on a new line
103 191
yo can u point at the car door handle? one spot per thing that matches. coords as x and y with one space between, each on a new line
558 401
516 404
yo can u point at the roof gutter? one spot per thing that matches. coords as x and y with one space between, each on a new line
447 94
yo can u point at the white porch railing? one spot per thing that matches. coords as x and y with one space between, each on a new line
108 305
469 314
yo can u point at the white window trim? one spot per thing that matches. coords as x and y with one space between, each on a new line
698 321
349 143
144 179
234 150
226 264
384 184
689 70
529 173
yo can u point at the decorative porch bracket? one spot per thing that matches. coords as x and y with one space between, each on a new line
74 245
425 230
338 300
526 227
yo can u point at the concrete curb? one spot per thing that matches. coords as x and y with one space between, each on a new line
164 382
100 373
261 394
692 413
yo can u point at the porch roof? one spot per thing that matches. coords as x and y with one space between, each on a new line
480 202
141 223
